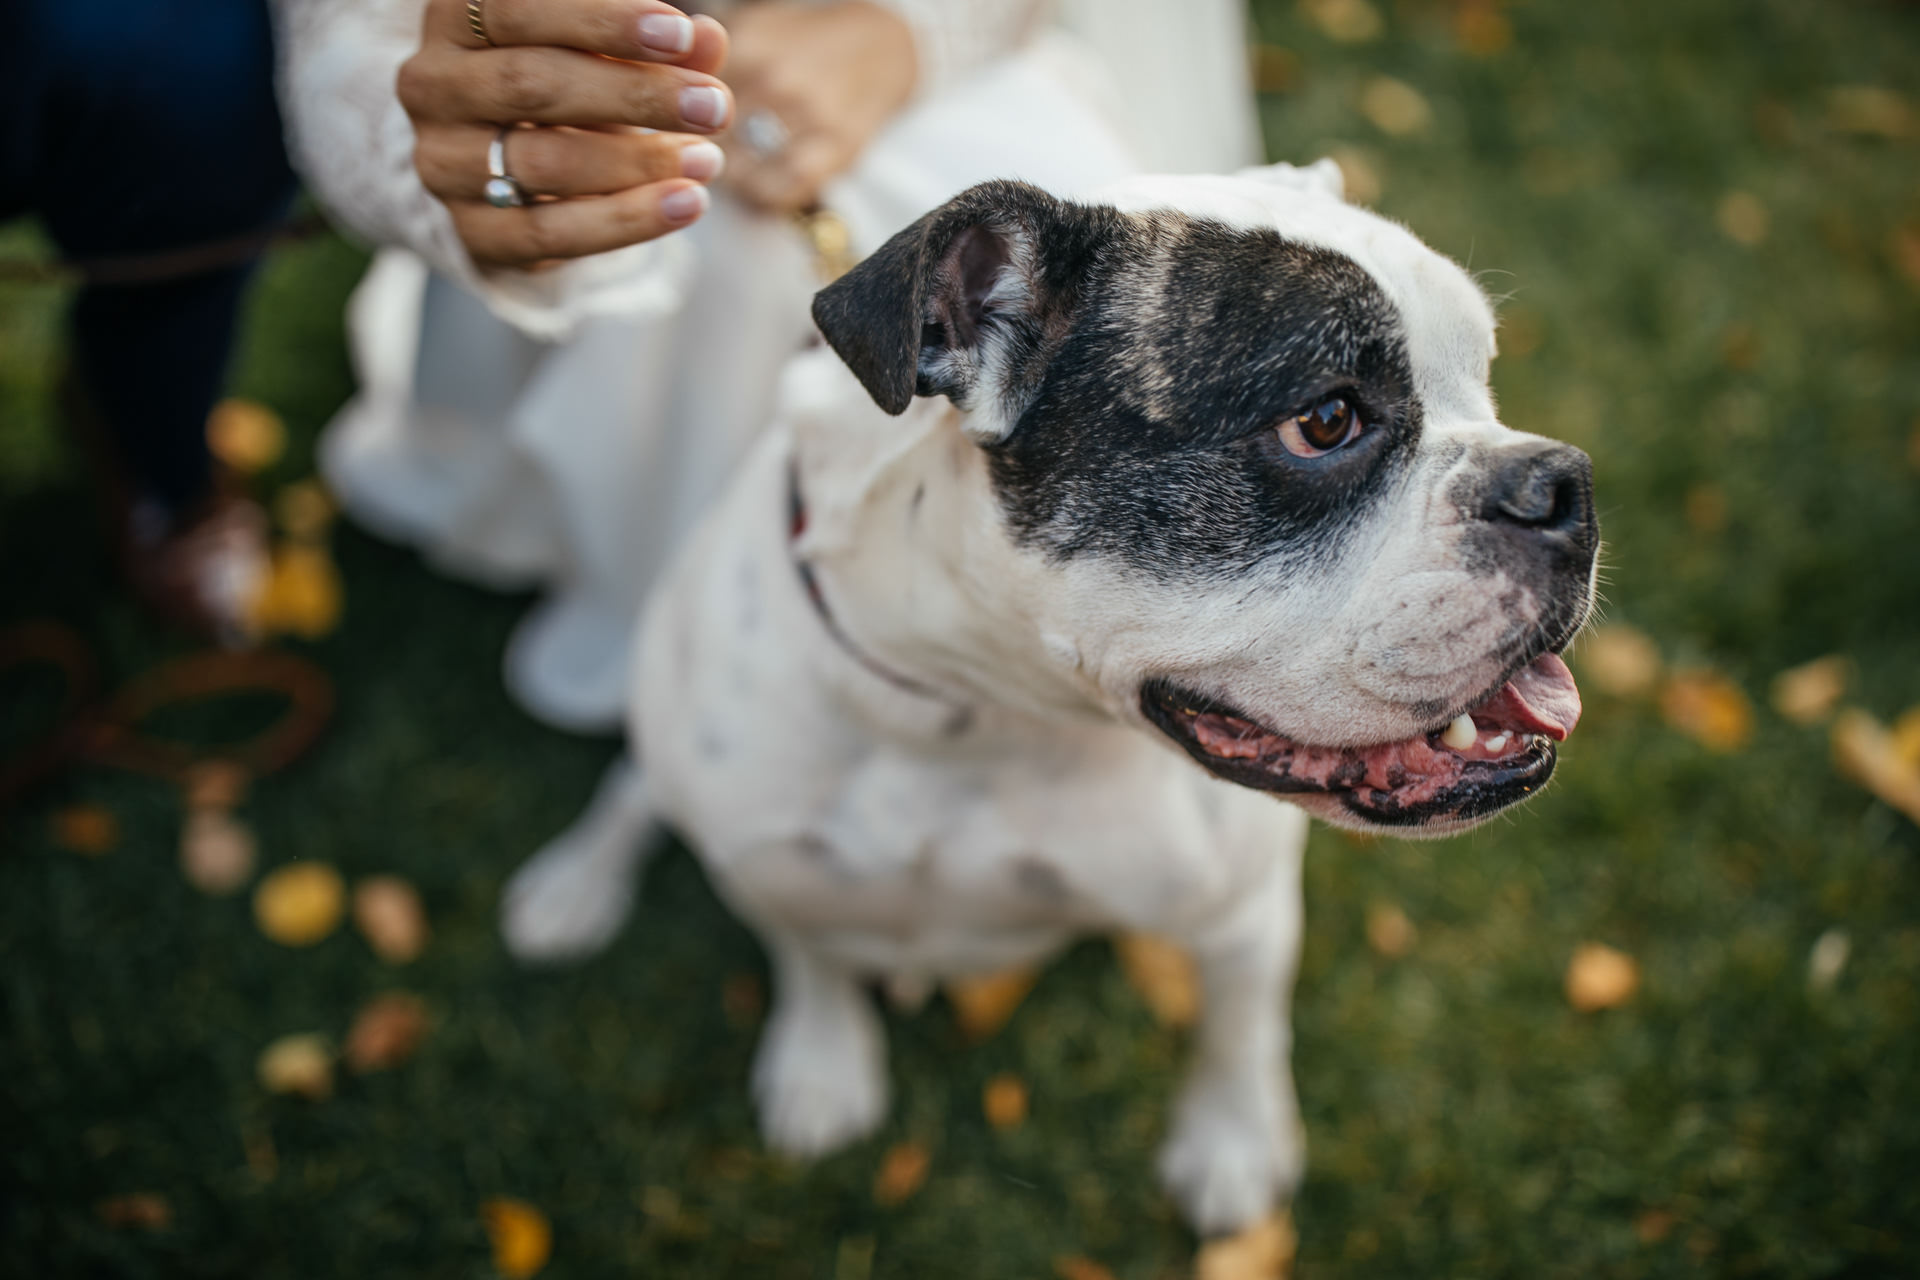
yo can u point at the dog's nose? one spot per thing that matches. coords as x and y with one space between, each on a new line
1546 487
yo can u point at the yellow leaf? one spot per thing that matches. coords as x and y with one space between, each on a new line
1394 106
1079 1268
1163 973
1389 932
1808 693
1005 1101
300 903
1348 21
245 435
1619 660
302 594
1264 1251
304 510
520 1234
1709 708
903 1170
1869 755
1598 977
85 828
387 911
1742 218
297 1064
385 1032
1906 737
982 1005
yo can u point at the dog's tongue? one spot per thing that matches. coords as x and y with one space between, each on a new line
1541 699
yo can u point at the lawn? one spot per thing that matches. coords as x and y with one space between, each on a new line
1705 229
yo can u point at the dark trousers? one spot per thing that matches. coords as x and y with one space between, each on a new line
140 132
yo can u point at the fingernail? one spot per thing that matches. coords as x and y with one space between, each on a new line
703 105
683 205
702 161
666 32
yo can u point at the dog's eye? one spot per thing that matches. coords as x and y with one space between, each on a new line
1321 429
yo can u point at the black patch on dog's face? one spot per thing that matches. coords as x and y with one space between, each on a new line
1150 432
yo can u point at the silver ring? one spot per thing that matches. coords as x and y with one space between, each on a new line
502 191
765 133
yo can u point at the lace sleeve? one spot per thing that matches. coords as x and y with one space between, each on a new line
353 144
954 37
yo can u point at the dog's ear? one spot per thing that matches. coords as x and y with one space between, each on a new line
968 302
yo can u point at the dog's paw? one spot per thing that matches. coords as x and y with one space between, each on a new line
820 1078
564 903
1235 1151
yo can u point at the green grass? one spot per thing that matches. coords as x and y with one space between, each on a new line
1463 1120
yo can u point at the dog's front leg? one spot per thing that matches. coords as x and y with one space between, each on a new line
820 1076
1236 1146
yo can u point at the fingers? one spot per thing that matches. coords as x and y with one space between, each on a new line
561 86
632 30
791 179
576 228
561 162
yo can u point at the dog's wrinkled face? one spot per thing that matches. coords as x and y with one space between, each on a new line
1247 429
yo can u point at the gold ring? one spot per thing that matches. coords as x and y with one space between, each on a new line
477 21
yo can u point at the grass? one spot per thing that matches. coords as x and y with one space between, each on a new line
1752 409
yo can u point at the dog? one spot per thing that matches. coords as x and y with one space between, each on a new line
1101 545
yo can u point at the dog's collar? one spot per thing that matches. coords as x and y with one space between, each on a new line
810 582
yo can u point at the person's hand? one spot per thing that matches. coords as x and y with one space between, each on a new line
602 73
815 82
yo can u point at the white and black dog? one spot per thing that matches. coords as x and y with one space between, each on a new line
1205 471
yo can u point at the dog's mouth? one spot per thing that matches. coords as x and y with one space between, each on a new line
1437 781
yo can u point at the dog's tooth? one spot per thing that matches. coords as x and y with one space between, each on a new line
1460 734
1497 743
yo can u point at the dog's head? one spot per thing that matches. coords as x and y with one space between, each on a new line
1246 428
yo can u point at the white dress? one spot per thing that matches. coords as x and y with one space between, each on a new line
563 429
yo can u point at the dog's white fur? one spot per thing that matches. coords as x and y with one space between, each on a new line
865 829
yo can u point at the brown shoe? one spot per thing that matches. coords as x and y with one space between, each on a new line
202 570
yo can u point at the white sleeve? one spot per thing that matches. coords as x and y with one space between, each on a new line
955 37
353 144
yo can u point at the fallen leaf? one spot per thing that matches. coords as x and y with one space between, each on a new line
520 1234
217 851
1867 753
1481 29
144 1210
1598 977
1394 106
1742 218
304 509
742 1000
1652 1226
300 903
387 911
1869 110
385 1032
903 1170
1359 174
1163 973
1709 708
1005 1101
300 1064
1619 660
1808 693
982 1005
1348 21
1827 958
1276 69
86 829
215 784
1706 508
302 594
1264 1251
245 435
1076 1267
1906 737
1389 932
